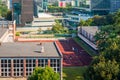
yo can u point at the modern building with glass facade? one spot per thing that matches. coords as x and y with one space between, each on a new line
22 11
20 58
115 5
99 6
105 6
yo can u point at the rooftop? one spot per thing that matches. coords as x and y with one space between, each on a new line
44 15
91 29
28 49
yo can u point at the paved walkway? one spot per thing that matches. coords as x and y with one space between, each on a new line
88 42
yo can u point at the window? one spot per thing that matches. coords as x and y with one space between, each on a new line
5 67
55 64
18 67
30 65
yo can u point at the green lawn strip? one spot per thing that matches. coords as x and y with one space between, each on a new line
73 73
85 46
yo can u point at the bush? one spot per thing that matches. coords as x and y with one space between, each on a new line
17 34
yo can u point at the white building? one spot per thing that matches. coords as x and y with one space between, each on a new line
44 21
7 3
87 33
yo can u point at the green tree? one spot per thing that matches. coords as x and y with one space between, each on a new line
107 65
9 15
58 28
3 9
46 73
103 70
82 22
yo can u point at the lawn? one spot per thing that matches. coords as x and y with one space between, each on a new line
85 47
73 73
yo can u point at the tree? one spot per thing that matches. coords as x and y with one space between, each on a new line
58 28
9 15
3 9
82 22
46 73
103 70
107 65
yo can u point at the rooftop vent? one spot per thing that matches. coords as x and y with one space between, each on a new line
41 48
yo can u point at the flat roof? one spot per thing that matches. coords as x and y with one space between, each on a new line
2 31
44 15
91 29
29 49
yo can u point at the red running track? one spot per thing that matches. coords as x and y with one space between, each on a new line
73 57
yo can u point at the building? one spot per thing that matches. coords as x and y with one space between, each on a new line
7 31
75 16
44 21
62 3
7 3
100 6
19 59
104 6
44 5
23 11
87 33
115 5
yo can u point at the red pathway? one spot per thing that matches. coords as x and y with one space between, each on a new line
73 54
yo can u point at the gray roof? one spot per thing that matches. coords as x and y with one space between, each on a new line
91 29
2 31
28 49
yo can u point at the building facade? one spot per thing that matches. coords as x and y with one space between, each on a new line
87 33
20 59
74 17
62 3
104 6
115 5
23 11
99 6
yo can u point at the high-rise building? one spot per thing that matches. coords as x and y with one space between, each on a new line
44 5
22 11
115 5
105 5
100 5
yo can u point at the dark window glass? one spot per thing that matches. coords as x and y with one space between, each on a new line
5 74
9 74
5 65
9 65
17 65
2 74
2 65
5 61
9 61
21 65
2 61
17 61
14 61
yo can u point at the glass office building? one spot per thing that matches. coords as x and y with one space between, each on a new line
100 6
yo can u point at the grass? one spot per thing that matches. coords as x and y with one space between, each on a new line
73 73
85 47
